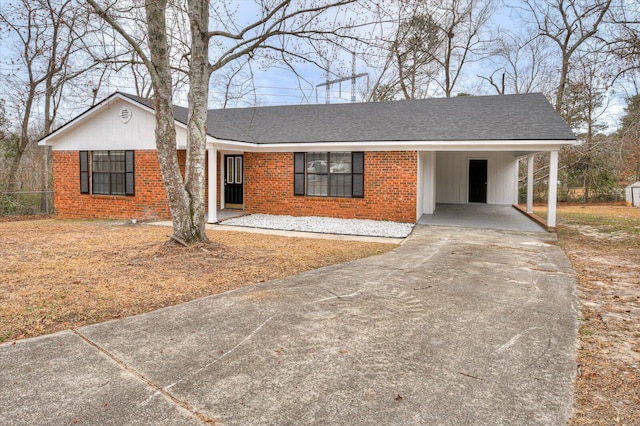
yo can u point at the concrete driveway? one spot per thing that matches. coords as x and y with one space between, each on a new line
456 326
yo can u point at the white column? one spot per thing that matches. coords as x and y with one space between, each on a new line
516 182
430 182
420 187
212 185
553 189
530 183
221 180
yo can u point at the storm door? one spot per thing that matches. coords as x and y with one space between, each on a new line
233 174
477 181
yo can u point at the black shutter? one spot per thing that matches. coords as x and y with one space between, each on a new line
298 171
84 172
129 178
357 159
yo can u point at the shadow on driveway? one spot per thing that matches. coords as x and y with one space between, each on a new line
456 326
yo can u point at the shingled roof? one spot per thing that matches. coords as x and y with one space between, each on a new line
468 118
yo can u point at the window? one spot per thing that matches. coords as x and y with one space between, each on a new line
329 174
112 172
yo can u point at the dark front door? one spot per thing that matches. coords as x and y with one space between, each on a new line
233 174
477 181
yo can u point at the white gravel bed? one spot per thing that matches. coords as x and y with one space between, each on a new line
327 225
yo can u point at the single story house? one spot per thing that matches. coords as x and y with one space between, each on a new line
384 161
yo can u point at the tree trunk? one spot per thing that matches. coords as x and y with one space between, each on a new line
47 155
14 169
197 121
587 181
563 82
447 64
45 203
23 142
165 126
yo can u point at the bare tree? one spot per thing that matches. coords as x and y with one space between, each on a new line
520 64
274 33
568 24
583 107
431 46
462 23
409 66
624 39
46 36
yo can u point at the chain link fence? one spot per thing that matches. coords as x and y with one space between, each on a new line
26 203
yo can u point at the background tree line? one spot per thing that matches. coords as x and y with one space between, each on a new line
59 57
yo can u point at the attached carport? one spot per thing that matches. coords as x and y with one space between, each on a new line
449 175
472 149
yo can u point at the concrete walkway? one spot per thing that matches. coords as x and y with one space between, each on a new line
456 326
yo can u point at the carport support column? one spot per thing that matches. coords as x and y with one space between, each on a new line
212 161
553 189
530 184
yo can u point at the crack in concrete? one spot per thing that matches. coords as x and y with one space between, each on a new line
335 296
514 339
230 351
243 341
158 389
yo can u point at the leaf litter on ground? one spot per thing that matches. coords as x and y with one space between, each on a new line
59 274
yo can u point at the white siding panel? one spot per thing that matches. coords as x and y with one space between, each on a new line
451 187
452 171
104 130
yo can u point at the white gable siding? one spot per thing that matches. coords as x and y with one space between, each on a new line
103 129
452 171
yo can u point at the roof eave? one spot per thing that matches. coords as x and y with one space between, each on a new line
440 145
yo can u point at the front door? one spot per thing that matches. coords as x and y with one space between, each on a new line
477 181
233 173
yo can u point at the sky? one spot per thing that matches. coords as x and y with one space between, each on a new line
276 85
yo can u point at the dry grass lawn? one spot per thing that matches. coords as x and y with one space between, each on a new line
603 244
60 274
57 274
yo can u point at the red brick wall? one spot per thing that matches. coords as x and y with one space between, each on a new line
390 188
149 201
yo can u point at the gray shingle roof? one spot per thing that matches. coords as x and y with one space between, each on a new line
508 117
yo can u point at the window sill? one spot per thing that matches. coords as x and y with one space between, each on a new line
108 196
328 197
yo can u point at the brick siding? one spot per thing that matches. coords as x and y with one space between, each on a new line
390 188
149 201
